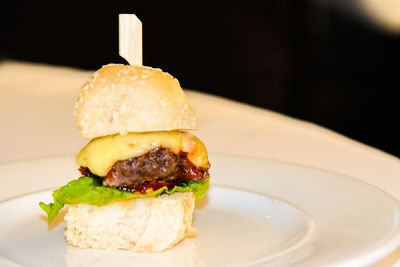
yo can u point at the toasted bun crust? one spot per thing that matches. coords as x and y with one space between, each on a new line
142 225
124 98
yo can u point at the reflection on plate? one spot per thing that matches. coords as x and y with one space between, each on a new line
257 212
183 255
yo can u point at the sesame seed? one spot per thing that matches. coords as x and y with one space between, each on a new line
133 78
163 103
142 82
94 77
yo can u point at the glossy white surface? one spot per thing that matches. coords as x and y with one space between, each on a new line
224 225
279 214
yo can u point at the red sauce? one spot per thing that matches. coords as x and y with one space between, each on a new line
145 188
85 171
188 171
185 170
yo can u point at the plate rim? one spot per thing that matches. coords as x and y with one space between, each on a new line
310 224
375 255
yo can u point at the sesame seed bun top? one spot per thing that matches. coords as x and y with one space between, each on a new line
123 98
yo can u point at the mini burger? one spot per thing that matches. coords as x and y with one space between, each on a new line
141 170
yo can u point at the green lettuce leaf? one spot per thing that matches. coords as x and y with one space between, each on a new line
89 190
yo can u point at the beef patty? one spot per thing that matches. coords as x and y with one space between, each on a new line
159 165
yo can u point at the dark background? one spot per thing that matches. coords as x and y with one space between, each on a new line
313 60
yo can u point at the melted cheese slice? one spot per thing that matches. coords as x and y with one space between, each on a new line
100 154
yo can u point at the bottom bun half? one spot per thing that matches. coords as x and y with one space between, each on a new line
142 225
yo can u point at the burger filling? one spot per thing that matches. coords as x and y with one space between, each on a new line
145 162
135 165
151 171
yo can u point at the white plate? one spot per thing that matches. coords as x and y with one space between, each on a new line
257 213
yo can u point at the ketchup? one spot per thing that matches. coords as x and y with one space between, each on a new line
137 180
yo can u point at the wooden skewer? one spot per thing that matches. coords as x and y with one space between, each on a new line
130 39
